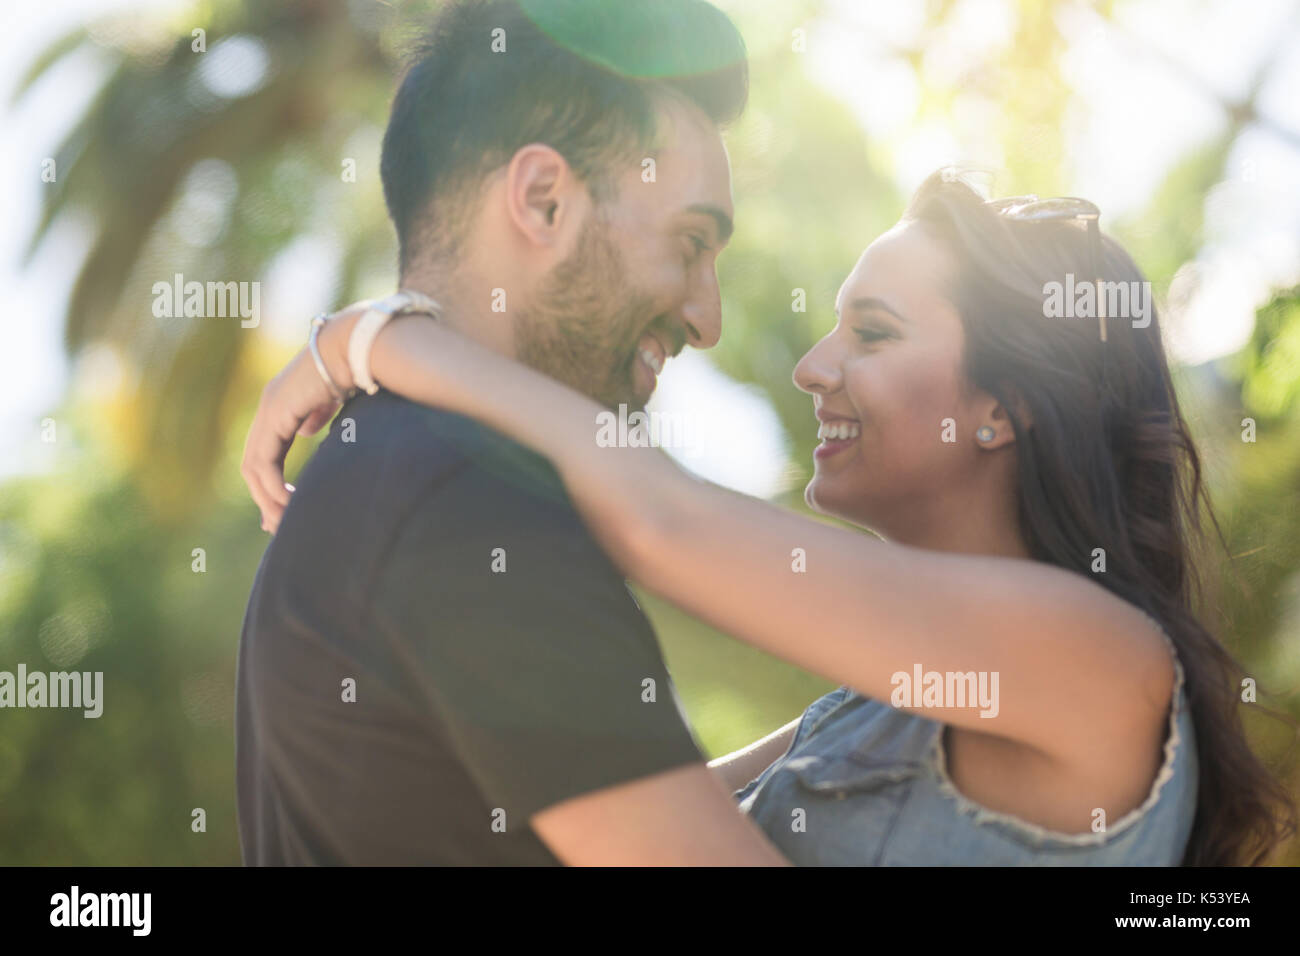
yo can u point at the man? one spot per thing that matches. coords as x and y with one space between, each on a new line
438 664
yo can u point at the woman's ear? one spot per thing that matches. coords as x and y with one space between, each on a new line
995 429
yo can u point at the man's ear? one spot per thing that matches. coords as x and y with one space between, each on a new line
544 199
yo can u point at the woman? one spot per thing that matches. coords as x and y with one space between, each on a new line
1024 679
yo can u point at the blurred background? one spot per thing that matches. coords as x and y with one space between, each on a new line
131 156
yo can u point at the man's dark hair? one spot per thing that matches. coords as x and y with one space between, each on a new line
583 76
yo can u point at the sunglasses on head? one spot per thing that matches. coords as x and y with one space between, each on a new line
1061 209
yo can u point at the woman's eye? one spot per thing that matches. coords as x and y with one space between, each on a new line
870 335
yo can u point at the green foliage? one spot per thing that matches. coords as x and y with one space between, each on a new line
90 580
1168 232
1270 364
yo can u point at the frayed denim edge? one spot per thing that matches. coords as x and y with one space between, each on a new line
983 815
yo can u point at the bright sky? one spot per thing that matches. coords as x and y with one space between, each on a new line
1141 115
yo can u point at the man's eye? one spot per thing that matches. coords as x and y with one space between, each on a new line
870 335
698 246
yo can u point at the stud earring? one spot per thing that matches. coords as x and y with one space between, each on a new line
984 433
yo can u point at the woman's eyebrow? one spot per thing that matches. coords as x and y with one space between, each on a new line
871 302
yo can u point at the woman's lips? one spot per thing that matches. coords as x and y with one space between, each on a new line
836 435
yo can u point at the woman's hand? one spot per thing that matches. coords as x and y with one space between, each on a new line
295 402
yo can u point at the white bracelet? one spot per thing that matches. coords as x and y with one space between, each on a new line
362 339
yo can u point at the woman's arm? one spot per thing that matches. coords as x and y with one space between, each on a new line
1064 662
741 766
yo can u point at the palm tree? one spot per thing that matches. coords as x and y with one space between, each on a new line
215 141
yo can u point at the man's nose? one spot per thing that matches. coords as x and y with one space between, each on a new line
701 313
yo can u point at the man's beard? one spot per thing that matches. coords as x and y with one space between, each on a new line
585 320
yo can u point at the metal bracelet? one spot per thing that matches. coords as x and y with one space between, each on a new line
316 325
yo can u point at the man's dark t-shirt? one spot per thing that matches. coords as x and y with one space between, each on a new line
408 693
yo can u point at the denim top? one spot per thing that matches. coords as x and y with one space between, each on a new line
872 782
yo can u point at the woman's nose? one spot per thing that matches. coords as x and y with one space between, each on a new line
818 372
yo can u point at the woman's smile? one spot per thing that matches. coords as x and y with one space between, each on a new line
836 435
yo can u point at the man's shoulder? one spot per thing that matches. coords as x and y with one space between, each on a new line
487 523
392 473
384 427
401 455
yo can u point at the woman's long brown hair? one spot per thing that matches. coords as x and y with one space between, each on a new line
1108 463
